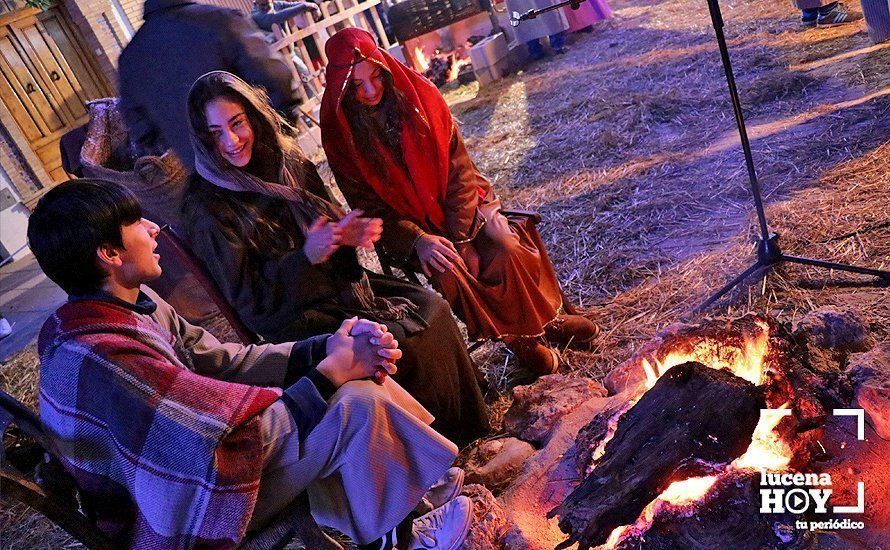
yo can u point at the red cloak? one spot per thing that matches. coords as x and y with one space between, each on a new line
418 195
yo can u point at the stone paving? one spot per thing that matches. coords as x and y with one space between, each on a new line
27 298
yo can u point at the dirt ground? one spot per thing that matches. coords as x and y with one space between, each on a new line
627 147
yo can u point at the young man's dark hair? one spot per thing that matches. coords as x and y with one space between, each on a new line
71 222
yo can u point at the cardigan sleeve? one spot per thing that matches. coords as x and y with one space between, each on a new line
278 365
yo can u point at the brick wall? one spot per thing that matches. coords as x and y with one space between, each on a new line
100 23
133 9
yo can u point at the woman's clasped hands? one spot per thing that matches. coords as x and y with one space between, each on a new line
324 237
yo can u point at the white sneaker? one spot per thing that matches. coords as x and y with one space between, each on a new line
5 329
446 489
444 528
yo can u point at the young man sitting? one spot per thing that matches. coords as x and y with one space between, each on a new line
177 440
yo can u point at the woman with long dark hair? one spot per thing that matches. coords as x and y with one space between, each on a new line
396 153
286 258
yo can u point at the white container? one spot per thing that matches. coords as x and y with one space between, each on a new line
490 59
489 51
487 75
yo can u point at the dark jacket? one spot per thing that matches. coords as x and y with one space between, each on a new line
276 296
178 42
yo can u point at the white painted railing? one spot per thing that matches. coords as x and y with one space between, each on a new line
291 38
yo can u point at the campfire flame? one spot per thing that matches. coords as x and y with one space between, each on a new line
746 363
686 491
767 451
422 60
679 494
456 67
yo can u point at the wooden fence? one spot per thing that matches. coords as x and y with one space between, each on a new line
308 32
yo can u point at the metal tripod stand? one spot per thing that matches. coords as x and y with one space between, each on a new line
768 252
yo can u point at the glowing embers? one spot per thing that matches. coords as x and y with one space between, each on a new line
680 494
686 491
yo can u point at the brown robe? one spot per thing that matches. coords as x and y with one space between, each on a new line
516 292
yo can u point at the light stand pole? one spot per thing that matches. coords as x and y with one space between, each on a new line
768 252
516 18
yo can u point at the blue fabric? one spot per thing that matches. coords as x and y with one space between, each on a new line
305 356
536 50
306 406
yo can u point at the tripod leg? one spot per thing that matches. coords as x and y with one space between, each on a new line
728 286
840 267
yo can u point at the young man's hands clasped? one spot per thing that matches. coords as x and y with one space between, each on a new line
360 349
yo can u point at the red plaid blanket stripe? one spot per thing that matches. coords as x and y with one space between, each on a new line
164 457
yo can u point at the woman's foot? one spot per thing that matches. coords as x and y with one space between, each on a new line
573 330
534 356
444 528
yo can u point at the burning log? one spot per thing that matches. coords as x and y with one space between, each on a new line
693 420
791 369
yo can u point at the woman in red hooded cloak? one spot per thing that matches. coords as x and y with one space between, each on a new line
396 153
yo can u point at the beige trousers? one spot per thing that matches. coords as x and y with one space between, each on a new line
366 465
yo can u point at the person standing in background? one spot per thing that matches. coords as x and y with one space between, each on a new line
588 13
816 13
179 41
266 13
552 24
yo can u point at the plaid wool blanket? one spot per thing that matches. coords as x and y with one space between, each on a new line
164 457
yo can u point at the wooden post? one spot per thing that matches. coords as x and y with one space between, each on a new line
379 26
